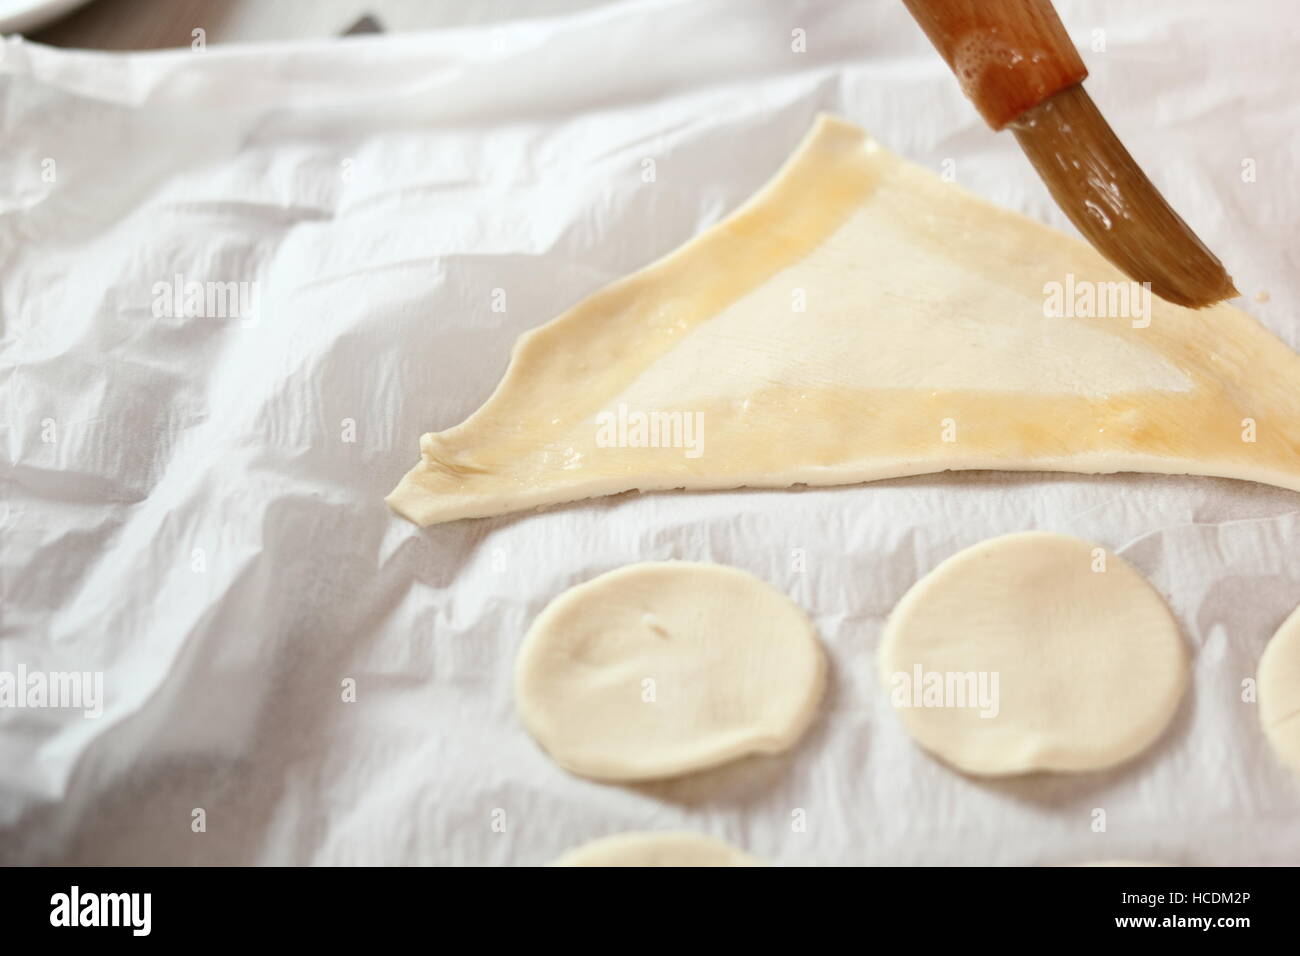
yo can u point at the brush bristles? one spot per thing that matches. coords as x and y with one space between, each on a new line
1109 199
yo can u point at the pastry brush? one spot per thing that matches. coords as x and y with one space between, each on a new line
1016 63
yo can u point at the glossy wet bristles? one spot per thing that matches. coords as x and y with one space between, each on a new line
1110 200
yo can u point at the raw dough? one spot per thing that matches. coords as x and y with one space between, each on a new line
656 849
1080 668
1279 691
861 319
659 669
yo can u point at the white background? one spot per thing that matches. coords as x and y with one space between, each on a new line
511 157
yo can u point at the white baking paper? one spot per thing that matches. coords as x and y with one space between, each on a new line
193 505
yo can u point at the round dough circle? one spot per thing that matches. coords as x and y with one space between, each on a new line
1279 691
1081 668
656 849
659 669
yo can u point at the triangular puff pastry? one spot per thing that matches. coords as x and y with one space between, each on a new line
859 319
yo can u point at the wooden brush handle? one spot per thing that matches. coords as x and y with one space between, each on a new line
1008 55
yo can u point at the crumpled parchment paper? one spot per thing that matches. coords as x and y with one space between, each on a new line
193 505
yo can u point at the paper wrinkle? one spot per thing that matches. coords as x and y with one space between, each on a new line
202 532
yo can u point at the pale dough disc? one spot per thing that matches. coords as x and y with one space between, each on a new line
656 849
660 669
1078 668
1279 691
